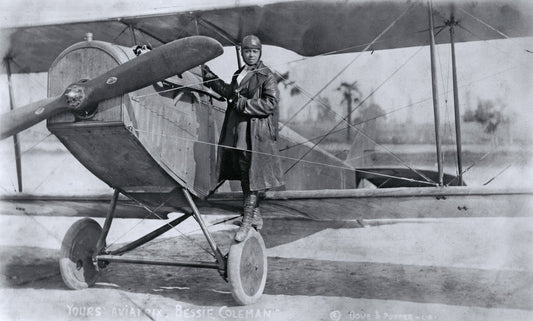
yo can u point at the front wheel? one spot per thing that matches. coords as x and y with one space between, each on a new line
77 250
247 268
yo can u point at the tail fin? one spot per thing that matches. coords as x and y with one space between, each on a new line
363 151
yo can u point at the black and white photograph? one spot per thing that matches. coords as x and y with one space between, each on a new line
296 160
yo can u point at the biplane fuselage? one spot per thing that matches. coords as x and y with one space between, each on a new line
149 142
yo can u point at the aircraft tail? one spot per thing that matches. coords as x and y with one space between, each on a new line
362 152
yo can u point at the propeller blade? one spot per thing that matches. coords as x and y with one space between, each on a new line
29 115
163 62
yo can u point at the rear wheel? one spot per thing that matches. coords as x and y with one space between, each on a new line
77 252
247 268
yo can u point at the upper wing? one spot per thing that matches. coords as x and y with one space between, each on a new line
305 27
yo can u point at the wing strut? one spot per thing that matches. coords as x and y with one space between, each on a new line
133 36
15 137
223 34
435 93
457 112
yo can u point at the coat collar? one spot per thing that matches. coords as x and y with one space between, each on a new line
259 68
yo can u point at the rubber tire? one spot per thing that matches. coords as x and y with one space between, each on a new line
76 256
247 268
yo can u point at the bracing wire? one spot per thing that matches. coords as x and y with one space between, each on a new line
284 157
472 165
423 101
485 24
196 230
499 173
367 46
360 156
154 212
175 228
343 120
360 131
356 129
439 57
35 145
345 167
13 185
23 153
58 166
31 78
488 26
137 97
134 226
497 48
214 28
312 98
271 66
361 122
120 33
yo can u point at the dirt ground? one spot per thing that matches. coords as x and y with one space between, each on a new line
446 269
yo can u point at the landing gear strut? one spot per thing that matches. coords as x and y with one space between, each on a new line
83 254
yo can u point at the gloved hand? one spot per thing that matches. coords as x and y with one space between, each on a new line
237 101
207 74
234 97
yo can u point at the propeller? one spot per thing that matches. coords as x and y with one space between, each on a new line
163 62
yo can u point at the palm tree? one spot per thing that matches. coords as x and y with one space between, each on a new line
347 93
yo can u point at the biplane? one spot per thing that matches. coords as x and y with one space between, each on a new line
148 127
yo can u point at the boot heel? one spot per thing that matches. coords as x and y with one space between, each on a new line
258 219
248 218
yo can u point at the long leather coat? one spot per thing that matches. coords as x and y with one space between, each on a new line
257 102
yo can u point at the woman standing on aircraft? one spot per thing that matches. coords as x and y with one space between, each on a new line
247 147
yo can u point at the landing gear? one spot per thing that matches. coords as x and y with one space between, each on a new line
77 251
247 268
83 253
